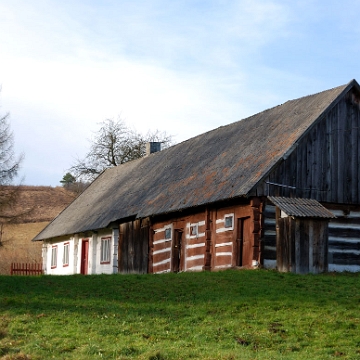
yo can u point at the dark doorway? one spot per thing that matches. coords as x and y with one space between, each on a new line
84 257
244 242
176 251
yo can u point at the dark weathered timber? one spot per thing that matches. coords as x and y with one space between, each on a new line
270 240
344 232
303 240
345 245
269 237
301 245
345 259
269 254
326 158
133 247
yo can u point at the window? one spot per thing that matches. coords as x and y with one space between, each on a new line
54 257
168 233
66 254
229 219
105 250
193 230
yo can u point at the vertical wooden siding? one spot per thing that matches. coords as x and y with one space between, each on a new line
133 246
325 164
301 245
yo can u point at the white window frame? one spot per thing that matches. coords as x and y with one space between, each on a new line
66 254
232 221
105 250
168 234
194 230
54 251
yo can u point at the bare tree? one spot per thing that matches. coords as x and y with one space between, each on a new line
9 168
9 163
115 144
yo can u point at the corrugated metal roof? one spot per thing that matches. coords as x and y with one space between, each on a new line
307 208
224 163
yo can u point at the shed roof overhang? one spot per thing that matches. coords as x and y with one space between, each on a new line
304 208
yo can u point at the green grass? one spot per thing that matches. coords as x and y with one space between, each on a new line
254 314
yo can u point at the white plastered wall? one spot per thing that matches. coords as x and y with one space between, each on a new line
61 268
75 248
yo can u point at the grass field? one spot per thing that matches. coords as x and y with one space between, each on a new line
254 314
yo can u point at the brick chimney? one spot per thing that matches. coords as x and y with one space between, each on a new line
152 147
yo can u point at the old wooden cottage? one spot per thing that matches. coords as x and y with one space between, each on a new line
208 202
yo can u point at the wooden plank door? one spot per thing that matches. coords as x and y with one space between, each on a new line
244 243
84 257
176 251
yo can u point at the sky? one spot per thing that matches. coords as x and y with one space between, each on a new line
183 67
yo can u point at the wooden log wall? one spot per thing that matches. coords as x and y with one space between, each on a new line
344 238
186 238
224 244
239 244
269 238
209 240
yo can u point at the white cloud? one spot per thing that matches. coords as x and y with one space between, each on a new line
181 66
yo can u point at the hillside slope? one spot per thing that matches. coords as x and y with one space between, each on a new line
34 208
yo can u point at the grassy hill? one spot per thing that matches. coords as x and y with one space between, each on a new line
248 314
37 206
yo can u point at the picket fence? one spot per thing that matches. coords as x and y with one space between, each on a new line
26 269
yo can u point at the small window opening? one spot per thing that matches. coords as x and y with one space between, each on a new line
168 233
229 221
193 230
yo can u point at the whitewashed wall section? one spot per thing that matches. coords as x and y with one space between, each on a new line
60 268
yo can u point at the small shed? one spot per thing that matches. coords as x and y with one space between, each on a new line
301 235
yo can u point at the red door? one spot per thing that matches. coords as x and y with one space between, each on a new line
84 257
244 243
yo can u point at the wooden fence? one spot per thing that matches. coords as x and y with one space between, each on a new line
26 269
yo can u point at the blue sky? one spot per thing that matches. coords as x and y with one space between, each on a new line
184 67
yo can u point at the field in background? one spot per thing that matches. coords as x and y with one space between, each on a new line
18 247
38 206
248 314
